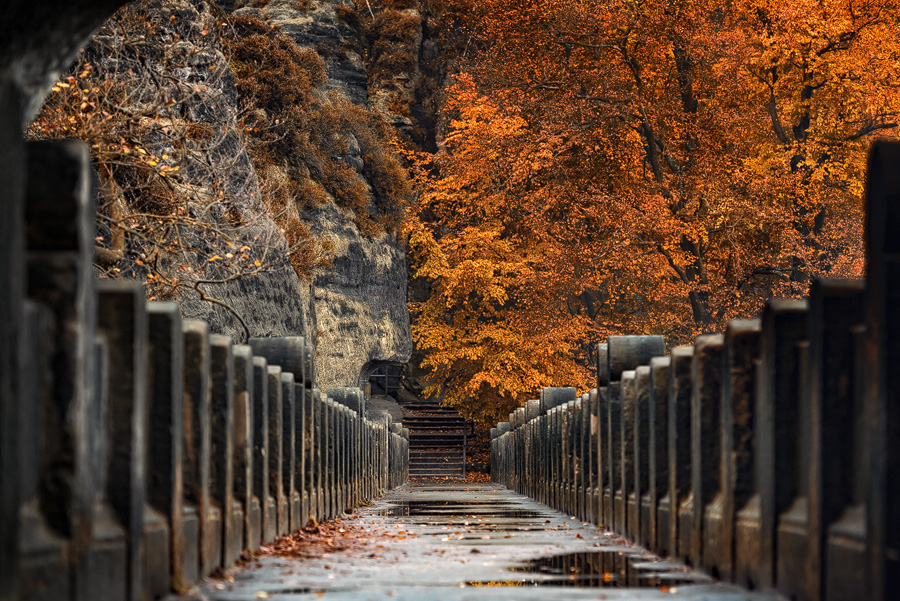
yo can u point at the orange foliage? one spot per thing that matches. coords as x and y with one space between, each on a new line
640 167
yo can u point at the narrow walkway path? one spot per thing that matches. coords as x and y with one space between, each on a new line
458 541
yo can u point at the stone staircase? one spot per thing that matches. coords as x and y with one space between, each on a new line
437 441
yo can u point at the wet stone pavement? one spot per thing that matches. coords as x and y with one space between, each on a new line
459 541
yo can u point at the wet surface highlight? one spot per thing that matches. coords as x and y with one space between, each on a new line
462 542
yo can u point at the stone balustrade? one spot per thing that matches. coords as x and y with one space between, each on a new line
768 456
150 452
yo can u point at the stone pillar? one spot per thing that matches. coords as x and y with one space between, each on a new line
221 468
197 443
288 452
310 429
502 431
276 448
882 406
615 505
626 518
602 366
624 353
594 489
835 559
300 450
329 459
679 439
45 519
706 401
740 355
604 465
566 412
318 455
123 320
532 412
776 427
261 453
59 213
641 455
165 374
243 445
584 476
494 454
12 297
102 566
658 454
601 467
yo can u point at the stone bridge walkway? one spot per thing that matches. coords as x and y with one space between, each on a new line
458 541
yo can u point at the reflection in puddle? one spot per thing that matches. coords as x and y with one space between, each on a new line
601 569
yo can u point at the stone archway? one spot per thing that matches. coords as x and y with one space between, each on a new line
391 371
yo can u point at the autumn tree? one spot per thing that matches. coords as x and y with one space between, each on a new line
643 167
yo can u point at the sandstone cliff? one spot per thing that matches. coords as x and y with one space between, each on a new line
180 75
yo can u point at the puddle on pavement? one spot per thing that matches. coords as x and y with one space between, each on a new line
596 569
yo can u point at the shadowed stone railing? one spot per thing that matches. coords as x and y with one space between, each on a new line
146 451
768 456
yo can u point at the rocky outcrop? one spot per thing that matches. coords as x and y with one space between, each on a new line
356 311
360 303
319 25
181 103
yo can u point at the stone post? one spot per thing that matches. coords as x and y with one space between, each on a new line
658 453
615 504
679 439
243 446
882 406
103 566
276 448
123 320
706 401
777 431
300 450
288 453
628 516
594 489
261 453
740 355
221 467
12 298
310 428
45 519
584 480
641 455
59 213
835 554
197 443
532 412
165 375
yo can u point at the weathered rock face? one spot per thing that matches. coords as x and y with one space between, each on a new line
360 305
320 27
356 313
